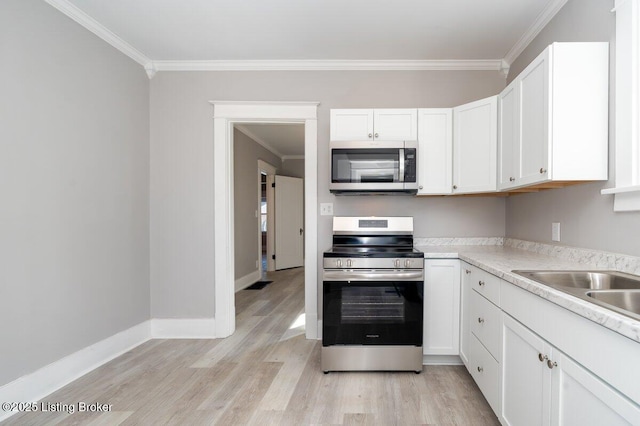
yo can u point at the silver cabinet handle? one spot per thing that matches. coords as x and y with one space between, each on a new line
480 369
370 135
551 364
455 186
542 357
480 283
467 271
542 170
511 179
420 187
375 136
480 320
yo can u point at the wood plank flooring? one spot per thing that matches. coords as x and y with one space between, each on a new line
267 373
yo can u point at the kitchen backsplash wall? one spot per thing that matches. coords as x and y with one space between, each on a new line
586 218
182 164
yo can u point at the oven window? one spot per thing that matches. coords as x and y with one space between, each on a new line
365 165
372 313
382 305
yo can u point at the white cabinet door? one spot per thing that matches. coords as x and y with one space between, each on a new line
579 398
465 294
508 137
526 379
435 150
533 91
475 146
374 124
441 307
351 124
395 124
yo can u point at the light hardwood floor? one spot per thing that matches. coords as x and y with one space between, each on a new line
266 373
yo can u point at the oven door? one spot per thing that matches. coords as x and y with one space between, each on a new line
372 312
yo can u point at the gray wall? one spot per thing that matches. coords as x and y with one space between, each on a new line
246 153
293 168
74 179
182 164
587 218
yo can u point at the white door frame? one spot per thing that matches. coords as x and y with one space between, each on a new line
263 167
225 115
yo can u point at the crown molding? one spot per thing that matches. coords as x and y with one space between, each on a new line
101 31
331 65
292 157
259 141
547 14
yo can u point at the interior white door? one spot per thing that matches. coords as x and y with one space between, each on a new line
289 226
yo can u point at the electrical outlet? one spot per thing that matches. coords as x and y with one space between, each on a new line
555 231
326 209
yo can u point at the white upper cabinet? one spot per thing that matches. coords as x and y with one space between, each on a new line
374 124
475 146
435 151
508 131
554 118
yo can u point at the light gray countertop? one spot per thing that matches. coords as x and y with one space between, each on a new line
501 260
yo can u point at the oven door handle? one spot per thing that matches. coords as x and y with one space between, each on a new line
373 275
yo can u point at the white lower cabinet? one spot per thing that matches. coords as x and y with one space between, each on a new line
543 386
465 294
441 307
526 380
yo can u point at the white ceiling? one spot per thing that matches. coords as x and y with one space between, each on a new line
284 140
157 31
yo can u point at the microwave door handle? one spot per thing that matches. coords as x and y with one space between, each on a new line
401 165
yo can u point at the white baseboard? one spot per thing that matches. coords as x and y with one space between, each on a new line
247 280
42 382
441 360
170 328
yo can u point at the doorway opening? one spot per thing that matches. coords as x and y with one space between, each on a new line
226 115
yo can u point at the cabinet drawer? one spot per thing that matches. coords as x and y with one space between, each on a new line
486 284
485 323
485 371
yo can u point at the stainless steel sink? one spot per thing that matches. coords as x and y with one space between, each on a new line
593 280
627 300
613 290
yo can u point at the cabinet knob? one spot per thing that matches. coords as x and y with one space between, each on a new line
542 357
455 186
480 283
370 135
542 170
375 136
551 364
467 271
480 369
480 320
420 187
511 179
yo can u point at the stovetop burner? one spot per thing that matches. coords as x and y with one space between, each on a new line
373 252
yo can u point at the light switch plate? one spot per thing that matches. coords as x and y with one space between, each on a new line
555 231
326 209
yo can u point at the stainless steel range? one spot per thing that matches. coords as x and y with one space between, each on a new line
372 296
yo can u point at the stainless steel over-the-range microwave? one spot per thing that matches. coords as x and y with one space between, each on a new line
374 167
